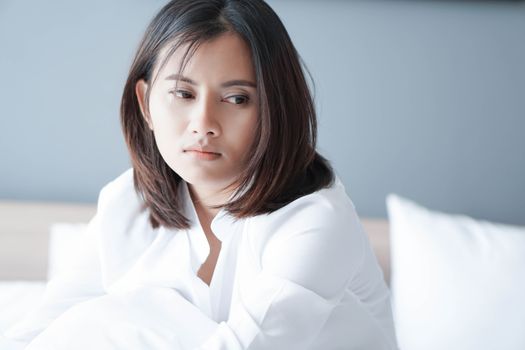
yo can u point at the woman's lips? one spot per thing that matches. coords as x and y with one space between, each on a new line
203 155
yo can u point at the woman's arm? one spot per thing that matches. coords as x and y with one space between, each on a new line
306 266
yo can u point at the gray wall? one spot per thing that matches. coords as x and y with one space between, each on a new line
422 98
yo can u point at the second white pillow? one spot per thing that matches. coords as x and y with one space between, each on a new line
457 283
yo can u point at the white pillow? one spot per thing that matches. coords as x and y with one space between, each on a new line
457 283
65 239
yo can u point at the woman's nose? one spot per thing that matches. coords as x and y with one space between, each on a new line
204 118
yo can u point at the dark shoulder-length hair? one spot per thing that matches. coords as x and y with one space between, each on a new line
282 164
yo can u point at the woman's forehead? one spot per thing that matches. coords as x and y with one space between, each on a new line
227 53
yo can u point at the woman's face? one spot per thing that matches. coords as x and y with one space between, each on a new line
204 126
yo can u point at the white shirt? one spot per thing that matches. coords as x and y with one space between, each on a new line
302 277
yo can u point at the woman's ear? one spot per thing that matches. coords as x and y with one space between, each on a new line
140 90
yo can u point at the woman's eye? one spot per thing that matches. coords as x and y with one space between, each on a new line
237 99
182 94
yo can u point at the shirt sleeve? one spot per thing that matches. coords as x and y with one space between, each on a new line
79 282
305 270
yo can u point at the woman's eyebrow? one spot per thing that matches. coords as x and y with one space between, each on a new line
239 82
236 82
181 77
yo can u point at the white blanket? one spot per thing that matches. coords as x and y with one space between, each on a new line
144 318
7 344
17 298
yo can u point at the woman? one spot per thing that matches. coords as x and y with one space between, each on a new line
229 231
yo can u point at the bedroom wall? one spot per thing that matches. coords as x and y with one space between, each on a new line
421 98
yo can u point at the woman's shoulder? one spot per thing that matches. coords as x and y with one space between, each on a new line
329 211
119 186
315 241
120 189
118 201
321 207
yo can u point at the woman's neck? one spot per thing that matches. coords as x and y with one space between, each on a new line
203 200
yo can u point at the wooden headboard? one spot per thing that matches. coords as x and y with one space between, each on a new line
24 236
